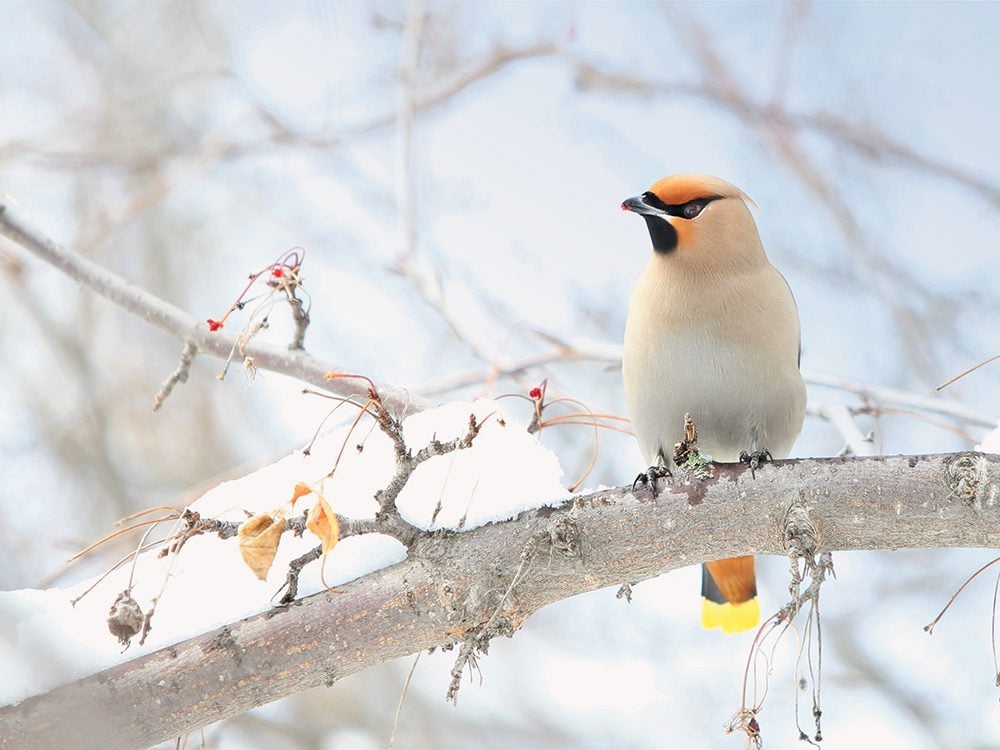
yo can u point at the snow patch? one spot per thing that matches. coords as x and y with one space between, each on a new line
46 642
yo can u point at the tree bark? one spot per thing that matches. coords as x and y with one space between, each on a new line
464 588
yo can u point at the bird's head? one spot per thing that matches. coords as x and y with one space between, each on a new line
698 216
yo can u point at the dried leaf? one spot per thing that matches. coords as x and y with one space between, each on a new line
322 522
301 489
259 537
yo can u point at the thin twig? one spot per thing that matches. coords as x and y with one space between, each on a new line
929 627
180 323
402 697
962 374
180 375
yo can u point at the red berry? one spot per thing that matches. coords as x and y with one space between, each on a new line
213 325
535 393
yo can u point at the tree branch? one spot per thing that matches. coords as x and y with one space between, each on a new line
175 321
453 585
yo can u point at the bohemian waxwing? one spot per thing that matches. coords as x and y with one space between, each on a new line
712 331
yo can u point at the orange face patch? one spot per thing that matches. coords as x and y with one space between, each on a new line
685 232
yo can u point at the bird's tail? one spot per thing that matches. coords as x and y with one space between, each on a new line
729 595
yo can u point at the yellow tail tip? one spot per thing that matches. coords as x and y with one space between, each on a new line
732 618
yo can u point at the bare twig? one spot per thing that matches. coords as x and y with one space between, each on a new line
965 372
179 323
407 462
608 353
388 519
885 395
180 375
855 442
402 697
929 627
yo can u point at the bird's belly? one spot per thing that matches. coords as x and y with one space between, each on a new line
738 400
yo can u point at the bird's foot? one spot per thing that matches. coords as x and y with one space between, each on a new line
648 478
755 459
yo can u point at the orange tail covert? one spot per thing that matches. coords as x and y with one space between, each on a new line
729 595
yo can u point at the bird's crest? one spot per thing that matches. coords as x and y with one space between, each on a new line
681 188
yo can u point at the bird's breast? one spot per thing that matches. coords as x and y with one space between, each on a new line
727 355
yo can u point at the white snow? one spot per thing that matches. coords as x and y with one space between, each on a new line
46 642
991 443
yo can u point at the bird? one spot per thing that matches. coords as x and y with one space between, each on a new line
712 331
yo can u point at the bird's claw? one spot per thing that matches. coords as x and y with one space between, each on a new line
648 478
755 459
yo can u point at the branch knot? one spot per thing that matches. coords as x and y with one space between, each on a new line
564 535
968 481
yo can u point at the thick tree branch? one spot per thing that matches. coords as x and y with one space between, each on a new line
452 585
175 321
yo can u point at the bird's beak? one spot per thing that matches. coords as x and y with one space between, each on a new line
639 206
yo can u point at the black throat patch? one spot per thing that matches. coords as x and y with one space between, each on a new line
662 233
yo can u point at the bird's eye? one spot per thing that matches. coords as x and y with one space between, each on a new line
692 209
